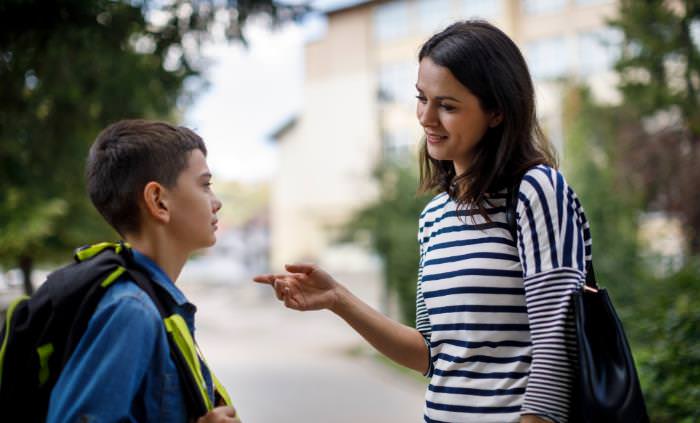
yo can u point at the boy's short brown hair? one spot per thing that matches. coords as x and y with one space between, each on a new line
129 154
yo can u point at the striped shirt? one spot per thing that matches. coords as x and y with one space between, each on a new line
495 311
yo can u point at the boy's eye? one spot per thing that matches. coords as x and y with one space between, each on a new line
421 98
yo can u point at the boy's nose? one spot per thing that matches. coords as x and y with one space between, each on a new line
217 205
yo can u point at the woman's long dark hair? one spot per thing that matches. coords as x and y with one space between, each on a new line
490 65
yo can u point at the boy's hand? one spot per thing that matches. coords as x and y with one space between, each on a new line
223 414
306 287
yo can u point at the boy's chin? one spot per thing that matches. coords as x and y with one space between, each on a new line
204 244
201 248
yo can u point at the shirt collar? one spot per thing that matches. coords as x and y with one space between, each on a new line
158 276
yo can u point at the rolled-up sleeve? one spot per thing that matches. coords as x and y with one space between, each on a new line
553 253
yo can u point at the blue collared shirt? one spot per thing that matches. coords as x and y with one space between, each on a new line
121 369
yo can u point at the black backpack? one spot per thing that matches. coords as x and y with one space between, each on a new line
40 333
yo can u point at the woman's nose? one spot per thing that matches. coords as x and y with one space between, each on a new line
427 115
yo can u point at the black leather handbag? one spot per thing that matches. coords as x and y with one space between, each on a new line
607 389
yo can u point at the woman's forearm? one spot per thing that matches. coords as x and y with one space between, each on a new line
401 343
308 287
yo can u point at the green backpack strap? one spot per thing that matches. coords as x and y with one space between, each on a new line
87 252
221 391
222 396
177 330
6 331
185 353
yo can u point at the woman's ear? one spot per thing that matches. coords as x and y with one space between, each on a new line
155 199
496 119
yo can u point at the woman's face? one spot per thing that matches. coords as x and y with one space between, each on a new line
450 114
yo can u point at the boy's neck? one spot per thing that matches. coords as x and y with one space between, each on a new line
161 251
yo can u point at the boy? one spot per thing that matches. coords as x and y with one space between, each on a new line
150 181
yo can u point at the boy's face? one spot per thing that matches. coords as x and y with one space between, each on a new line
193 205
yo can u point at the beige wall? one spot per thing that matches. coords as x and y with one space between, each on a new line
326 160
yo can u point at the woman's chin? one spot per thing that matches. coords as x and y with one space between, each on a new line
437 154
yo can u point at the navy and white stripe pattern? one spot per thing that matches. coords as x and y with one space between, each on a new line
495 311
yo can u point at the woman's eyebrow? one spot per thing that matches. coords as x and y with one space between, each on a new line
441 97
447 97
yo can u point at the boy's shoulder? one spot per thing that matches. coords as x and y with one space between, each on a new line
125 323
125 306
125 293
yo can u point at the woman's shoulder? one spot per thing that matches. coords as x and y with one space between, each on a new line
544 189
437 203
543 180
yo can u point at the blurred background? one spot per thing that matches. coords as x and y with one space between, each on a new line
308 112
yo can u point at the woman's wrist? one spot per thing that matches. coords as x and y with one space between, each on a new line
341 299
533 418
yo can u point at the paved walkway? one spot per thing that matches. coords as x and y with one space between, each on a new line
285 366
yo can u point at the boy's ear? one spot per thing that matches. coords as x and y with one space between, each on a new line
155 198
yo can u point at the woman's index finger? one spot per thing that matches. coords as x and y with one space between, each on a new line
268 279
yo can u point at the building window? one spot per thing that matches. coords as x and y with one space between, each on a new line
536 7
397 82
548 58
482 9
434 14
391 20
598 50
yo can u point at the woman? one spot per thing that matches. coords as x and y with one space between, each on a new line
493 330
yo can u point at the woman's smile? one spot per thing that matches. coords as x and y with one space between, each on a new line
435 138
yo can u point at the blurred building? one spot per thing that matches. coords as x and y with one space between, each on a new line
243 239
359 102
240 253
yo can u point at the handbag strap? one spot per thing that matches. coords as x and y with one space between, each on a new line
511 205
591 280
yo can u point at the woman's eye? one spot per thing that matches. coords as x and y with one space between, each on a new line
421 98
447 107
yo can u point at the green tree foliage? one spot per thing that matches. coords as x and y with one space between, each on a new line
661 314
659 71
392 225
69 68
660 61
670 363
658 136
611 206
